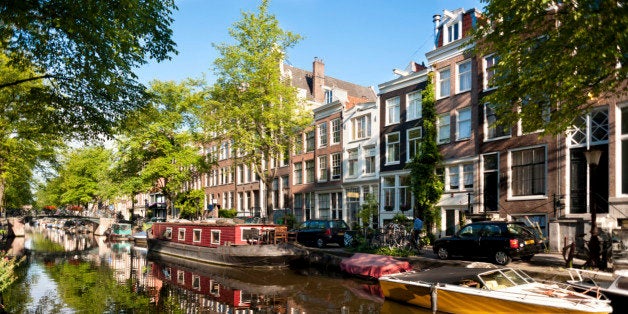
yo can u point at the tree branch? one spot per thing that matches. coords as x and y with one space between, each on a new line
4 85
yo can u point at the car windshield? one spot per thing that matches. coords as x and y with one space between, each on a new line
338 224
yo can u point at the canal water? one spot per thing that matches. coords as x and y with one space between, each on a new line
82 273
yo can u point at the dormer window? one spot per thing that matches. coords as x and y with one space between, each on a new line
452 32
329 96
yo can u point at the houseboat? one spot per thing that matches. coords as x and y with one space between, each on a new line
119 231
224 242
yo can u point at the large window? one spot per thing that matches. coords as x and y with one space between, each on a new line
361 127
464 76
493 130
414 141
322 134
528 170
444 129
298 173
369 160
310 141
392 148
298 144
624 150
335 131
489 63
444 87
322 168
415 106
309 171
336 166
392 110
463 124
353 162
454 177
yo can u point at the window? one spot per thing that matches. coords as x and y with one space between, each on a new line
489 63
196 235
353 162
454 177
464 76
590 129
369 161
298 144
298 173
624 150
323 202
453 32
490 196
414 142
329 96
528 171
196 282
181 236
361 127
322 168
443 128
539 113
392 148
443 83
467 176
388 188
181 276
392 110
168 233
215 237
309 171
322 134
336 161
335 131
309 141
493 130
464 124
415 106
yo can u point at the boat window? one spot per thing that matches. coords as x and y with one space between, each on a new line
514 277
196 236
181 234
180 276
496 280
215 236
196 282
168 233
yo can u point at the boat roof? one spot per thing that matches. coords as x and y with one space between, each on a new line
445 274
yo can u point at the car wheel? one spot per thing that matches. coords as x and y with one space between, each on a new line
501 258
320 243
442 253
527 258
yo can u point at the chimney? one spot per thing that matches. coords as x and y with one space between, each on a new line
436 20
318 80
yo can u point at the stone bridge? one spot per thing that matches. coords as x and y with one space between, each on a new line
15 225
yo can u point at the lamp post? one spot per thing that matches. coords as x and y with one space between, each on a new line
593 159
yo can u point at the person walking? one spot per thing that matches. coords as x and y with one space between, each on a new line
416 231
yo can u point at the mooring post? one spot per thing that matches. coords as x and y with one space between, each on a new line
434 297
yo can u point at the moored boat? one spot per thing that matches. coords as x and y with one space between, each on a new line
476 290
223 242
119 231
613 286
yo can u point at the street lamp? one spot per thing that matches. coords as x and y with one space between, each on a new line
593 159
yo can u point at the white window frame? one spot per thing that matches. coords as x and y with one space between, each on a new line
444 91
391 145
464 77
621 149
488 124
323 135
352 162
297 173
215 238
511 196
370 160
448 31
336 129
361 127
412 141
393 110
197 235
181 234
323 171
460 125
336 166
488 71
440 124
414 101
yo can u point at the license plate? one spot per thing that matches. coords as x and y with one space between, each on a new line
529 241
341 233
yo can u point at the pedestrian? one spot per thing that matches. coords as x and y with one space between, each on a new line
416 231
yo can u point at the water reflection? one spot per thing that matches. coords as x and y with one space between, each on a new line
67 273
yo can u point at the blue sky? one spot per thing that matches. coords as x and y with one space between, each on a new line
360 41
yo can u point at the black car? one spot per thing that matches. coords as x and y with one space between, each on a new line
499 240
320 232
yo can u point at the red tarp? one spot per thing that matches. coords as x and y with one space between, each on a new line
371 265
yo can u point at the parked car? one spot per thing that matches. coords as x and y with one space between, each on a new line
499 240
321 232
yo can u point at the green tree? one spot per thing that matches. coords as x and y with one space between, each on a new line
82 57
190 203
257 106
556 58
158 141
425 184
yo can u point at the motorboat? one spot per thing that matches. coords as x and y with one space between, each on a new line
486 290
613 286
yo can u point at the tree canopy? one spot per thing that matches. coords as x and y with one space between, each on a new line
555 58
252 103
83 57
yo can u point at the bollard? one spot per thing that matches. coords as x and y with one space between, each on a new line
434 297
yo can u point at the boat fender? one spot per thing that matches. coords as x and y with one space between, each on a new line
434 297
